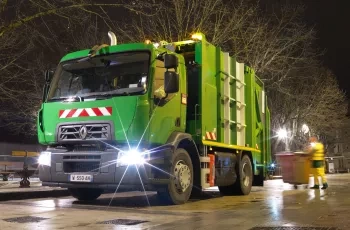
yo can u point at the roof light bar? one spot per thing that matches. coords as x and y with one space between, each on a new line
197 36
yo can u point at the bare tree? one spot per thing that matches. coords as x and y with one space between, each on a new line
314 100
176 20
34 34
327 106
24 12
34 23
272 43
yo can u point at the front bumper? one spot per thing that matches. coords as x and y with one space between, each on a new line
102 167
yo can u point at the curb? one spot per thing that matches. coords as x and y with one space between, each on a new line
33 194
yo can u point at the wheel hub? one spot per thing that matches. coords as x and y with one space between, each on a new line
182 176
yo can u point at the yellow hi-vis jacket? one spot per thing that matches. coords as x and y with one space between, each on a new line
317 151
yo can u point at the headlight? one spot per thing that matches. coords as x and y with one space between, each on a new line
132 157
45 158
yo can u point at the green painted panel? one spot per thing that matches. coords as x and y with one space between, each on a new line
164 115
208 95
250 107
233 104
210 117
123 112
220 87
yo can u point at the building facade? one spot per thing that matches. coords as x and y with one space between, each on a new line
338 151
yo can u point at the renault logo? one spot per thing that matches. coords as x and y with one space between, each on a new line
83 132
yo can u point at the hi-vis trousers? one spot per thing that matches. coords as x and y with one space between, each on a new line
319 172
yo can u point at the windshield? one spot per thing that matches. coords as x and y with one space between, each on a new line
118 74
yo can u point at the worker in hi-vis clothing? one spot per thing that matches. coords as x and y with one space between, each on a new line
316 149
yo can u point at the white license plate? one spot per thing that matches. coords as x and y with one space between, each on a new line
80 178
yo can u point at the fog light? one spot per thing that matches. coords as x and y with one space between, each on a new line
45 159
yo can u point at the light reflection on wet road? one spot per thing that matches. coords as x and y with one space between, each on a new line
276 204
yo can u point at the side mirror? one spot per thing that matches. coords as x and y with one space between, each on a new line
48 75
170 61
171 82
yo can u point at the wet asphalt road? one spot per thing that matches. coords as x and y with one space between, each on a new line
275 205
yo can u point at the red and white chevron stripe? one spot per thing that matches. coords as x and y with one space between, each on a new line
210 136
85 112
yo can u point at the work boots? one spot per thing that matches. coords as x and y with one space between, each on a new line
316 186
325 186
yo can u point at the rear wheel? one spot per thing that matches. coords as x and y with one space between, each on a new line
86 194
180 186
243 184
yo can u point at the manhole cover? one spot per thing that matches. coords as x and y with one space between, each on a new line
123 222
294 228
25 219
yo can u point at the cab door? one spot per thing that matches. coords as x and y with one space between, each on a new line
165 114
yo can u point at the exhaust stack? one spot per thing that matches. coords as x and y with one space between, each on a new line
112 37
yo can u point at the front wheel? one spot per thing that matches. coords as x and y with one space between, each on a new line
180 186
86 194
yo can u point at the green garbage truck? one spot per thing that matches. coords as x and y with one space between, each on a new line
172 117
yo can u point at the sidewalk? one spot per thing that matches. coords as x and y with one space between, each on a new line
10 190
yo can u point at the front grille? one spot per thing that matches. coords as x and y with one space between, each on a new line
72 167
80 132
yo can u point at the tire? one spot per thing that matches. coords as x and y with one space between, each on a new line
243 184
179 189
85 194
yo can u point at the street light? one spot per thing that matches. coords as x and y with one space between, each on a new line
282 133
305 128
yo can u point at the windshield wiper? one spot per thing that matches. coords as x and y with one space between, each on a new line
117 92
67 99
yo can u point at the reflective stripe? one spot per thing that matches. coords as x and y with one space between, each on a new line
85 112
65 113
104 111
90 112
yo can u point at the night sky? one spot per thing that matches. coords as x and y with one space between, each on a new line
332 20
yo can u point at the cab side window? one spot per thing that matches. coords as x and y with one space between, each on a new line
158 84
